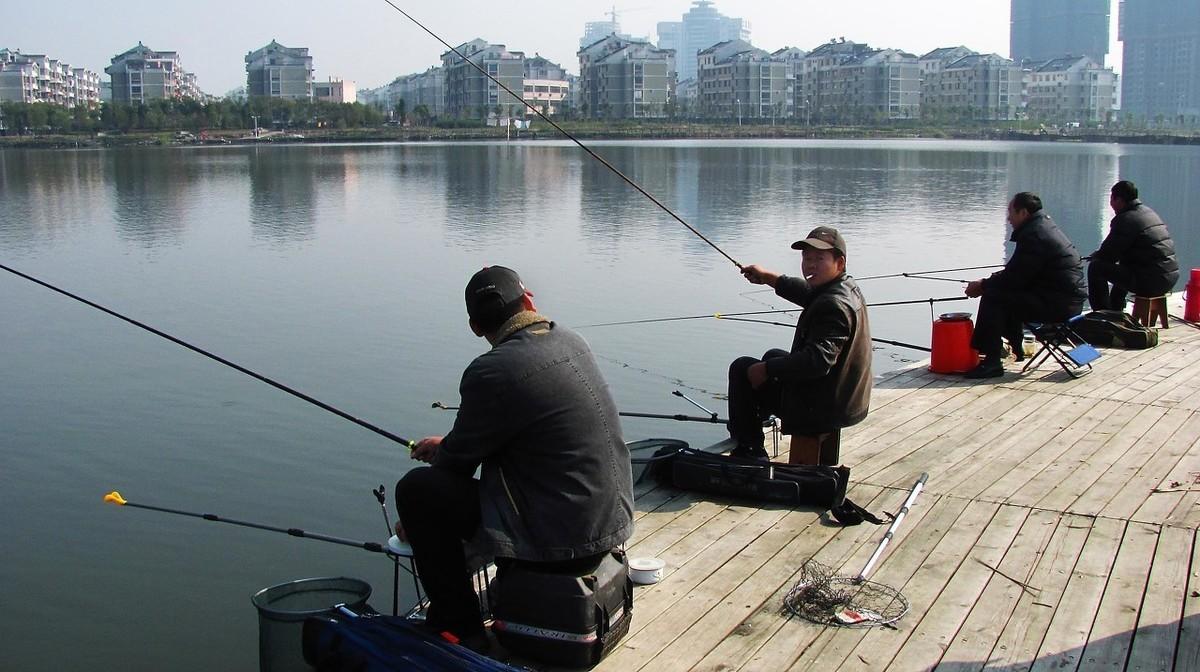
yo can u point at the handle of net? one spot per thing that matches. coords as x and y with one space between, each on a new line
912 497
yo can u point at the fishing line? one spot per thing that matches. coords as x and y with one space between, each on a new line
934 277
726 316
792 326
570 137
277 385
940 270
714 419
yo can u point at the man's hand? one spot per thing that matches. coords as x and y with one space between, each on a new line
974 289
758 275
426 448
400 532
757 374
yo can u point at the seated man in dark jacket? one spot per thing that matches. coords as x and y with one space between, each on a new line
1042 282
1137 256
824 382
555 486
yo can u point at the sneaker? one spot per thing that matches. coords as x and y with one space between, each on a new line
990 367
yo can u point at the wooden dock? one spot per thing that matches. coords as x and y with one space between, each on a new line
1085 490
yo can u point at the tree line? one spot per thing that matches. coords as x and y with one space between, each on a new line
186 115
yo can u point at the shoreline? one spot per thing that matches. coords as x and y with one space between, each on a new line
592 131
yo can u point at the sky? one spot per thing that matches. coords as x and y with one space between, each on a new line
370 43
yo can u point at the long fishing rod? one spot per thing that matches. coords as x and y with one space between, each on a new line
630 414
918 273
728 316
791 326
115 497
570 137
934 277
280 386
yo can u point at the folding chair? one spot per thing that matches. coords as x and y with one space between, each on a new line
1061 343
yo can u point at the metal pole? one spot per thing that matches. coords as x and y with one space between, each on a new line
912 497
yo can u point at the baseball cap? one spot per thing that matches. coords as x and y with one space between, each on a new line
490 290
822 238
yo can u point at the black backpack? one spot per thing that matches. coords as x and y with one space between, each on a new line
819 486
1114 329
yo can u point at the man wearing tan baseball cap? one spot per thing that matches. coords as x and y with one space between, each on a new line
824 382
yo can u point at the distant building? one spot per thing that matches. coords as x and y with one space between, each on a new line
37 78
982 87
547 85
620 78
423 89
933 62
594 31
276 71
142 74
334 91
849 82
1072 89
737 80
1040 30
1161 65
469 94
700 28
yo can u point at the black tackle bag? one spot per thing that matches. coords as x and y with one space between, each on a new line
794 484
1114 329
567 619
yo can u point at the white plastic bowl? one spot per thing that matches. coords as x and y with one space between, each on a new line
646 571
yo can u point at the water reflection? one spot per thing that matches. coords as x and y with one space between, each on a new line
1073 186
285 183
150 194
47 195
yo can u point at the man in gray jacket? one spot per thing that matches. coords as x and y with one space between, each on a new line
824 383
537 420
1137 256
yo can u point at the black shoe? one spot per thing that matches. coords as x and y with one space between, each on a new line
747 453
990 367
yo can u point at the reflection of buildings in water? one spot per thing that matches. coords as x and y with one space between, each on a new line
1073 184
284 183
150 187
46 194
486 192
1166 179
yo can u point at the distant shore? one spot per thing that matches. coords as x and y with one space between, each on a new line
592 130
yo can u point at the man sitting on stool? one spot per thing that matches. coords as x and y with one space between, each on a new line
555 487
1042 282
1137 256
824 383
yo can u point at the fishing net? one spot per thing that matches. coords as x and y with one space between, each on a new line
822 597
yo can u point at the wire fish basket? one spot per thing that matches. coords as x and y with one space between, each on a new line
821 597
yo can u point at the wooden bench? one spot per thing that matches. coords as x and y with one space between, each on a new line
1150 309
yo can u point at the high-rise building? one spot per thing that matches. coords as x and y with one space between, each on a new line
37 78
141 74
701 27
470 94
1160 73
1041 30
276 71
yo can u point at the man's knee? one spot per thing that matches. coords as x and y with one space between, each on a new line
737 369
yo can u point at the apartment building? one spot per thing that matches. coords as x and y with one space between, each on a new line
335 91
470 94
1072 89
426 89
37 78
142 74
849 82
547 85
621 78
737 80
1040 30
980 87
276 71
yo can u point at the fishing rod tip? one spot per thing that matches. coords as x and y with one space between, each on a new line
114 497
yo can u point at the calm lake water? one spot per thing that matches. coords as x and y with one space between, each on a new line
339 270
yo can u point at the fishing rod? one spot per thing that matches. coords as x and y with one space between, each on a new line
940 270
570 137
934 277
730 316
714 419
273 383
115 497
791 326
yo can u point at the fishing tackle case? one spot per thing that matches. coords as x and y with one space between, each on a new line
572 620
794 484
1114 329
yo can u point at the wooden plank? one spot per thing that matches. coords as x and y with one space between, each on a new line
1133 497
1067 634
941 592
1187 654
879 432
1158 623
660 529
1120 472
1003 485
1116 618
1178 373
1025 631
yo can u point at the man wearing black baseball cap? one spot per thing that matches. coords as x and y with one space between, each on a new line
536 418
824 383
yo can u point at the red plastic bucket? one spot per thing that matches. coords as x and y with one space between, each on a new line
1191 298
952 351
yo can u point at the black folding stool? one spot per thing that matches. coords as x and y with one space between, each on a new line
1060 343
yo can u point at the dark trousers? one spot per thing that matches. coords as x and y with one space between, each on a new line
748 407
439 510
1002 314
1102 274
